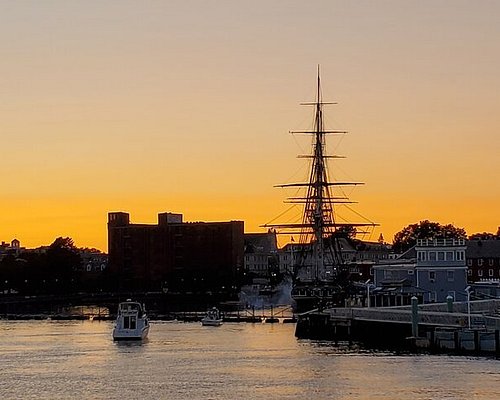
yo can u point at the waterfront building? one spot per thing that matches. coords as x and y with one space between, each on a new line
395 284
173 255
261 254
289 254
483 260
439 270
361 256
486 289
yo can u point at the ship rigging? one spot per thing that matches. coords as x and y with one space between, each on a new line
319 273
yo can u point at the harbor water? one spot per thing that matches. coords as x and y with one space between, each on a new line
79 360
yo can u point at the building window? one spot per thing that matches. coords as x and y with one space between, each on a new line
469 272
450 275
491 262
432 276
432 256
432 297
480 262
449 256
469 262
440 255
480 272
490 272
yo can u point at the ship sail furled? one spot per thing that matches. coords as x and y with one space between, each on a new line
319 265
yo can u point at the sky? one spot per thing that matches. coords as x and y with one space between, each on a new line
186 106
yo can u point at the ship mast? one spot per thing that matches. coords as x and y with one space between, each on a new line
318 220
318 210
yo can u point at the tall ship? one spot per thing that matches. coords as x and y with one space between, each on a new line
320 276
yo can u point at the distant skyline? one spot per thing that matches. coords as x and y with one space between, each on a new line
185 106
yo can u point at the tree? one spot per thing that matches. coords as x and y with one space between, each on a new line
63 260
407 237
483 236
345 231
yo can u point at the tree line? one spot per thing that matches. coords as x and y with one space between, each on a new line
55 270
406 238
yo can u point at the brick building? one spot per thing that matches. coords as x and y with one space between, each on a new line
483 260
174 255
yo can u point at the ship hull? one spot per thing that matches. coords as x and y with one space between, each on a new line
309 297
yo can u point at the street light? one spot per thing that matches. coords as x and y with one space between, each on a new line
467 289
367 283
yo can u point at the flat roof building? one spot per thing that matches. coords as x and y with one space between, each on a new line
173 255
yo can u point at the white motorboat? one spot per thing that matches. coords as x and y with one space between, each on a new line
212 318
131 322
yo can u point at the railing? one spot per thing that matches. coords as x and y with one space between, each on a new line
440 242
404 316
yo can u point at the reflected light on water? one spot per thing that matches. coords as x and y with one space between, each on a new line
79 360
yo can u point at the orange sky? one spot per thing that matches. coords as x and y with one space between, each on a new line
185 106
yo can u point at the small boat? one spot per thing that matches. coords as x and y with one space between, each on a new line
131 322
212 318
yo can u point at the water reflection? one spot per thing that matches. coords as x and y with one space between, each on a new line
50 359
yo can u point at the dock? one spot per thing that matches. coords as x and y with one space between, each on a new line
268 314
430 327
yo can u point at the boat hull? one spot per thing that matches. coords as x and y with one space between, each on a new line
211 322
130 334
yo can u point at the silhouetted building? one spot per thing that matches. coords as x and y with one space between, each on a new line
173 255
261 253
13 248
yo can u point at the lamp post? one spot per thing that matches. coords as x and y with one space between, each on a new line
367 283
467 289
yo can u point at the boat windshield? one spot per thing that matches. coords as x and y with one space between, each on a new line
130 307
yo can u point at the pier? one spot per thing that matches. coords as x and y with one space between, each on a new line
159 307
433 327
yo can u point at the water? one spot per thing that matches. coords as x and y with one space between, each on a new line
79 360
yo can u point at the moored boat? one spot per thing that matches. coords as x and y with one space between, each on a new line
212 318
131 322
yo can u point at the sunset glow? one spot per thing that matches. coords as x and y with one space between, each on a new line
185 106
